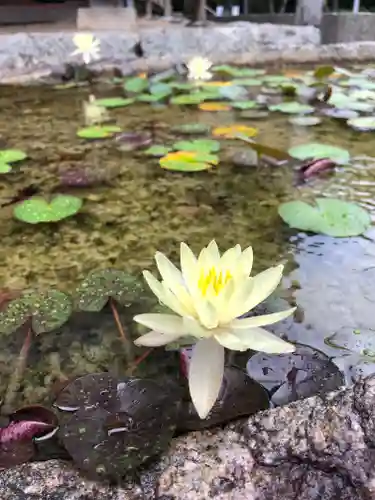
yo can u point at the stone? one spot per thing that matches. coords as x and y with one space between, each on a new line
107 18
321 448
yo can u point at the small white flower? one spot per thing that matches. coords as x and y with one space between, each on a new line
209 296
86 45
198 69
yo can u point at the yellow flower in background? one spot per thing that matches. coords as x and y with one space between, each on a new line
198 69
86 45
208 296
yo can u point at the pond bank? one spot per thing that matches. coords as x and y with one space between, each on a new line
331 441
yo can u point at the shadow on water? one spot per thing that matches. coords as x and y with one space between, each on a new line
139 209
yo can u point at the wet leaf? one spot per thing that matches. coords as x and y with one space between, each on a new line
136 85
119 423
98 132
94 292
113 102
315 150
301 374
198 146
11 155
330 216
15 314
293 107
37 210
49 310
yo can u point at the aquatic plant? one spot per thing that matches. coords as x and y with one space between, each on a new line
329 216
209 295
37 210
198 69
8 157
87 46
98 132
188 161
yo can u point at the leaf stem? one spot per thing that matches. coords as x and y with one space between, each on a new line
17 375
120 328
138 361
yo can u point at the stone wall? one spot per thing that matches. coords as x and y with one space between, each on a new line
348 27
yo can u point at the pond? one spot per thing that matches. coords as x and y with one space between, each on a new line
132 208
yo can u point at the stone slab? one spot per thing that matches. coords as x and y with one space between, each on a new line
107 18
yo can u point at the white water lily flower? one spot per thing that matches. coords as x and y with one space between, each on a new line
198 69
86 45
209 295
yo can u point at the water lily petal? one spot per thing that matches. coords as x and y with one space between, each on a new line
264 283
194 328
213 253
156 339
229 259
264 319
164 295
246 261
206 372
236 305
230 341
259 339
206 312
189 268
168 324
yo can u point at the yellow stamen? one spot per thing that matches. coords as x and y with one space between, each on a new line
213 280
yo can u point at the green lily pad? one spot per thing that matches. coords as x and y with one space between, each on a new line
362 123
191 128
157 151
330 216
48 311
365 107
323 72
186 99
160 88
233 93
182 85
362 95
198 145
315 150
293 107
37 210
201 161
361 83
5 168
305 121
151 97
136 85
275 79
114 102
98 132
11 155
244 104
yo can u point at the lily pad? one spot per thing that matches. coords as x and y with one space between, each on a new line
315 150
98 132
323 72
305 121
160 89
244 104
198 145
157 151
292 107
185 161
362 123
340 114
48 311
233 93
99 286
136 85
151 97
232 131
301 374
330 216
114 102
5 168
191 128
37 210
214 106
11 155
186 99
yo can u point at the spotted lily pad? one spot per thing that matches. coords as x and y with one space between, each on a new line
317 151
198 145
292 107
301 374
37 210
114 102
98 132
330 216
111 426
362 123
48 311
94 292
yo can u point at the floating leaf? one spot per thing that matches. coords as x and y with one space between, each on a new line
184 161
276 80
5 168
305 121
232 131
151 97
213 106
191 128
14 316
94 292
244 104
340 114
113 102
315 150
362 107
362 123
160 89
37 210
11 155
233 93
157 151
136 85
323 72
292 107
330 216
254 114
186 99
98 132
198 145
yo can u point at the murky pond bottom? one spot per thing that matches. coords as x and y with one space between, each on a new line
136 208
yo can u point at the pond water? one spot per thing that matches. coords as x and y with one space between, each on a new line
136 208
